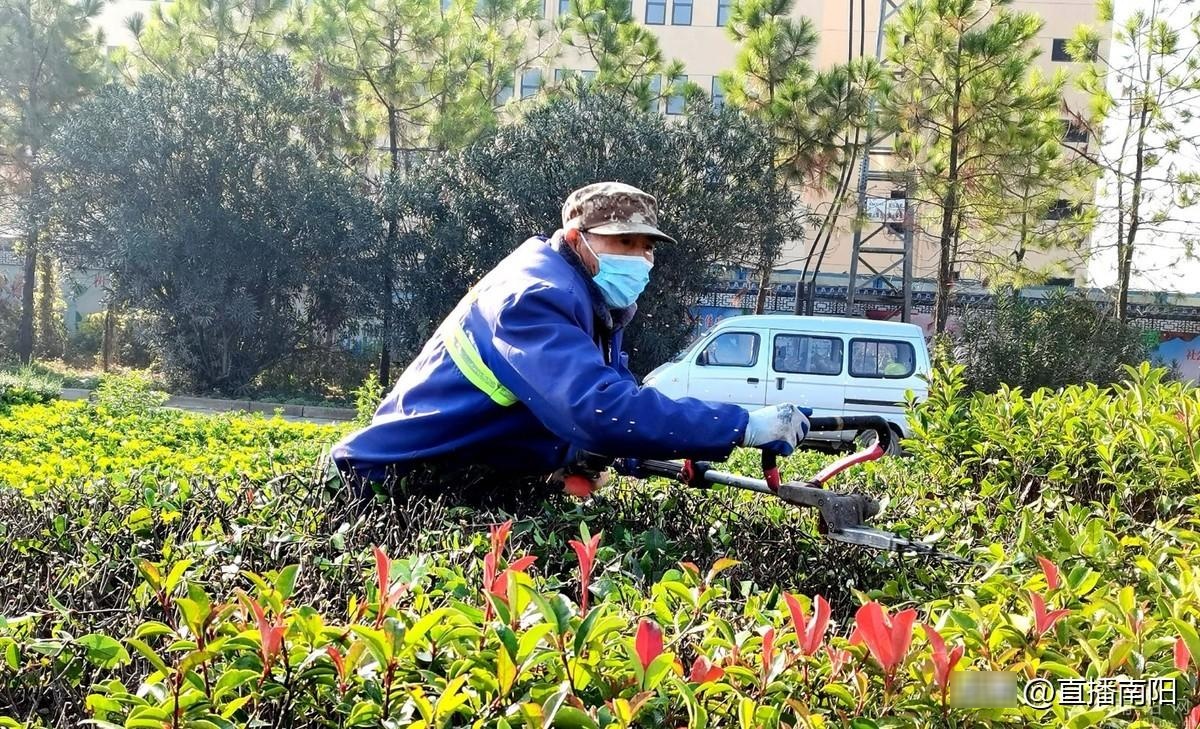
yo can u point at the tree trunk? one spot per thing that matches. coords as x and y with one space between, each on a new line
391 236
47 338
106 343
764 282
1125 247
28 286
946 241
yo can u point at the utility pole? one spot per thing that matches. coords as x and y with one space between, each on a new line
893 214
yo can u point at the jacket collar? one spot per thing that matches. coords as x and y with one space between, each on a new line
610 319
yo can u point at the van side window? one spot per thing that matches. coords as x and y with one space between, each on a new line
731 349
881 358
807 355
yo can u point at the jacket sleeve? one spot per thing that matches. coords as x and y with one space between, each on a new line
550 364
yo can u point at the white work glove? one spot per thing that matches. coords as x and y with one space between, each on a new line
777 428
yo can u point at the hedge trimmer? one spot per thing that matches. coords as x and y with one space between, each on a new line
843 515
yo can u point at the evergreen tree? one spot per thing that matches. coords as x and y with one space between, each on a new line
51 60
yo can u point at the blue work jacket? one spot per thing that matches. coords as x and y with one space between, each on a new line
526 372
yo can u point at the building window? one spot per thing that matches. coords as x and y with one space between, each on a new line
732 349
723 11
564 7
504 94
681 12
1076 133
1062 209
655 92
562 74
805 355
588 76
656 12
1059 52
530 81
675 100
718 93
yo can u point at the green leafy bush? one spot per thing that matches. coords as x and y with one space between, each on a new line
433 643
121 437
366 400
1137 441
27 386
1067 340
165 569
132 334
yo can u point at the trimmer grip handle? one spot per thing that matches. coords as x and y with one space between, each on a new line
770 467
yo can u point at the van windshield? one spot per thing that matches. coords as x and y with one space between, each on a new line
688 349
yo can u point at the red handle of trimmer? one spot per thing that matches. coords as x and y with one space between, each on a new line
857 423
770 467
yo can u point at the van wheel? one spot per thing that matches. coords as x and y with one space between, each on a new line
866 438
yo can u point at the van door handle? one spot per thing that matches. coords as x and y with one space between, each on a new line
779 383
752 380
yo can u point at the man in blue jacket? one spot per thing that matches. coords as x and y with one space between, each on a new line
526 376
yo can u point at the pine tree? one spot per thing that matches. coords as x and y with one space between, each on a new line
964 88
1141 114
52 60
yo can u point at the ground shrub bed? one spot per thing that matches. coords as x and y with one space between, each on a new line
26 387
159 569
122 436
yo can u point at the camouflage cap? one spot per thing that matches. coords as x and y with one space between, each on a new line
612 208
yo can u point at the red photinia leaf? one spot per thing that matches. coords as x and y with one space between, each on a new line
838 658
383 571
704 671
943 662
799 620
888 639
1044 620
336 656
388 594
522 564
1193 719
1050 570
489 570
587 561
814 631
1181 654
768 652
809 631
340 664
1138 619
499 587
270 634
586 553
902 633
648 643
499 535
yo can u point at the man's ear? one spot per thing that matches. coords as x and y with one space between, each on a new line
571 235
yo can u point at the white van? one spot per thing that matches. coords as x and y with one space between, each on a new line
836 366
